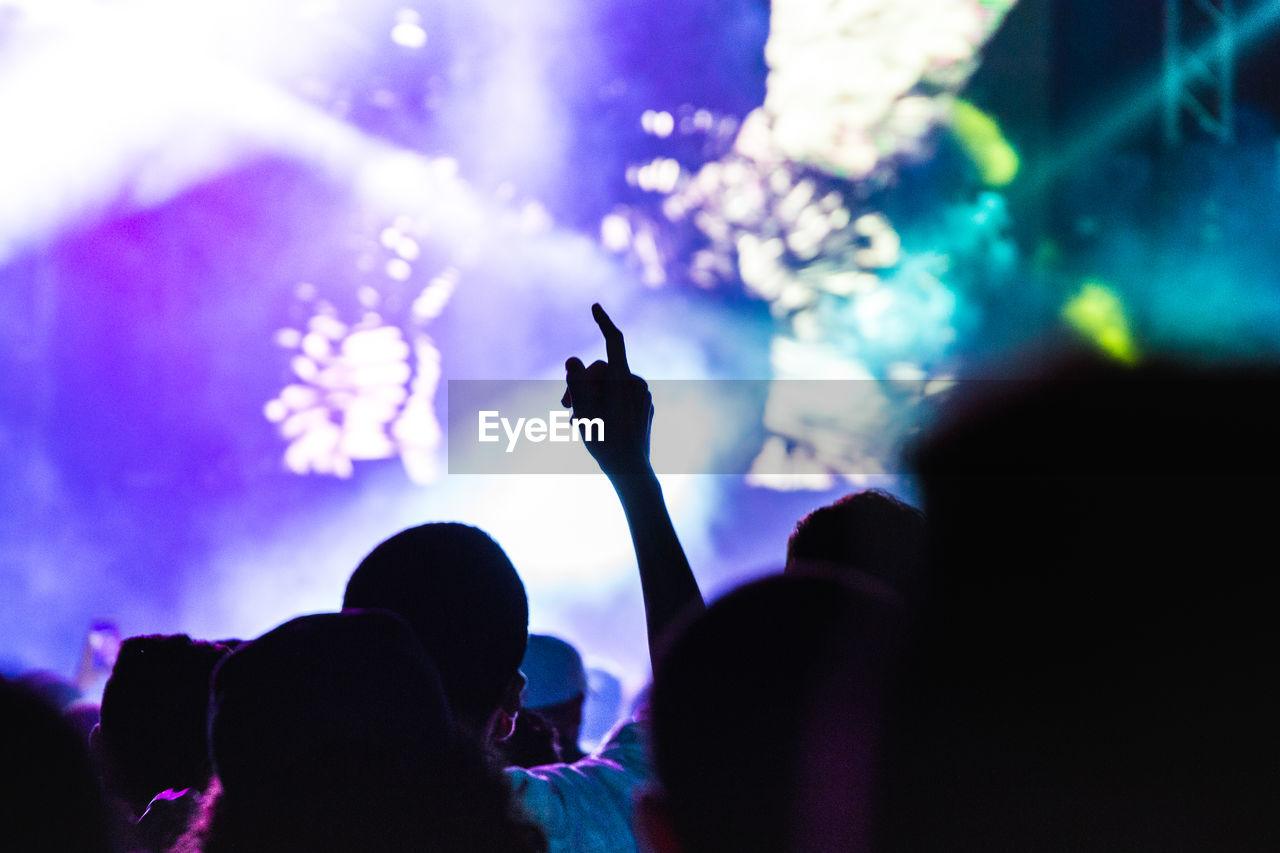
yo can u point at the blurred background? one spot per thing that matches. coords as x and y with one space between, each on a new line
245 245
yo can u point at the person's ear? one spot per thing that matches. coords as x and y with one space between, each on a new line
96 748
504 724
653 821
515 690
504 721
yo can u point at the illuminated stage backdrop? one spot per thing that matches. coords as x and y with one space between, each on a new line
245 244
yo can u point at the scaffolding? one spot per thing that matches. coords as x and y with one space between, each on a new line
1199 68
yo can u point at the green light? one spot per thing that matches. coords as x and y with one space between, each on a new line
980 136
1097 313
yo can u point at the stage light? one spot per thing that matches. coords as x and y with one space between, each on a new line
980 136
1097 313
408 31
615 232
351 397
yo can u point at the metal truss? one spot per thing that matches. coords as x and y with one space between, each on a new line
1200 47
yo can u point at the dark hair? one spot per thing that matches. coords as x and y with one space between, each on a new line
462 597
49 797
770 675
869 531
152 720
331 733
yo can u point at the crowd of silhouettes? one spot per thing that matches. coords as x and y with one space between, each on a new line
1069 647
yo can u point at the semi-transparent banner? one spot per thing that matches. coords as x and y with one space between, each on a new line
739 427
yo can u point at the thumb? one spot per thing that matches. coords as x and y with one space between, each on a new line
574 371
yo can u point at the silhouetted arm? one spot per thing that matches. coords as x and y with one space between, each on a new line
665 577
611 392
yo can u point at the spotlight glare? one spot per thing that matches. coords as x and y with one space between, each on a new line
1097 313
409 35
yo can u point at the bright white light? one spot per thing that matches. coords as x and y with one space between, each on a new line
839 70
398 269
144 98
660 175
407 248
433 298
660 124
288 338
615 232
409 35
884 245
275 411
141 95
351 398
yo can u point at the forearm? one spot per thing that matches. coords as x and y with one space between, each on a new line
666 580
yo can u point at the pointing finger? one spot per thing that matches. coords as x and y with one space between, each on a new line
614 347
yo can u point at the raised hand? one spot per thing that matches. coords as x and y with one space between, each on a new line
609 391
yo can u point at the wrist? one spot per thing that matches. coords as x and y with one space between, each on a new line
629 472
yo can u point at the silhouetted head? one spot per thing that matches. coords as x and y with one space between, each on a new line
603 708
462 597
867 537
332 732
329 700
556 688
49 797
151 730
764 713
1100 641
